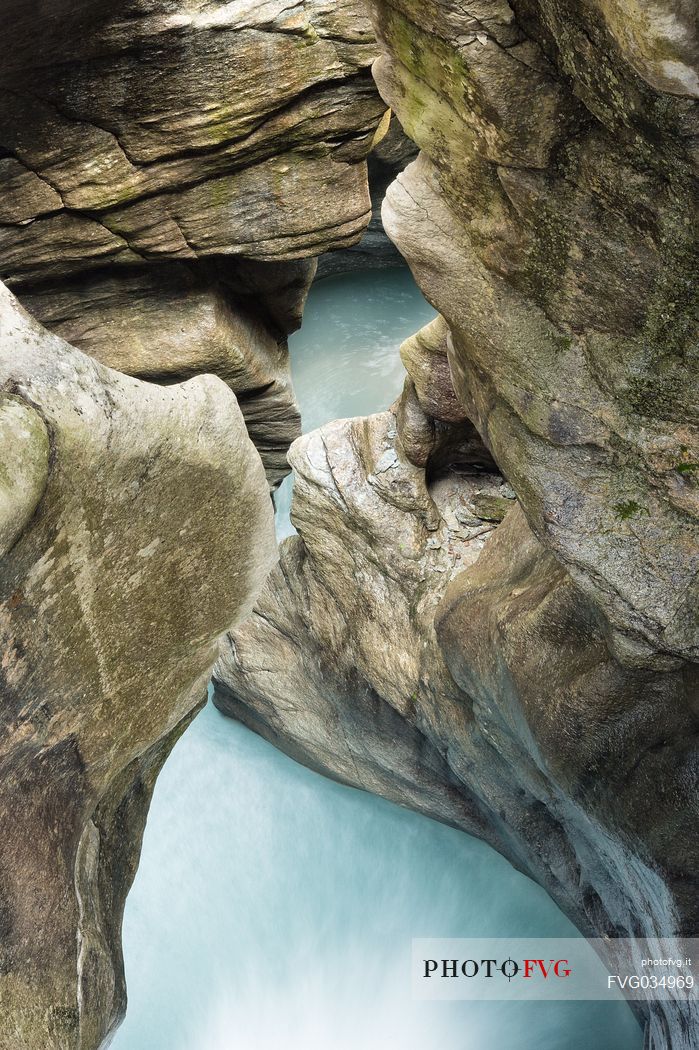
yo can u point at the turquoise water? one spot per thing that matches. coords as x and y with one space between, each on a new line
345 359
274 909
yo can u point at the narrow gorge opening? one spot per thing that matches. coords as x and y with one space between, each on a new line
274 908
488 612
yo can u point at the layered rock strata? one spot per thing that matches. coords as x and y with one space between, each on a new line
169 172
163 166
135 521
543 694
389 157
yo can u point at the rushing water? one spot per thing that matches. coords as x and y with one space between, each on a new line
274 909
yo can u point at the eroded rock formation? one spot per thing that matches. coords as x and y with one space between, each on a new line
339 662
546 696
170 172
390 156
558 240
134 522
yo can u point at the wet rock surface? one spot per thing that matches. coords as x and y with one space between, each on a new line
169 174
490 611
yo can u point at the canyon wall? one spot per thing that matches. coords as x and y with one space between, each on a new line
169 174
114 588
375 250
490 610
489 613
171 171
